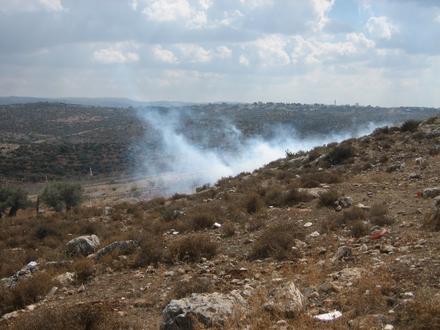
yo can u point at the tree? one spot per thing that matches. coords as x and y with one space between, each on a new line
62 195
14 199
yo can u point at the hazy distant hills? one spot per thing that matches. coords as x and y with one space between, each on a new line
97 102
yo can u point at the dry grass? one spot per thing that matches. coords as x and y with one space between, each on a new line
228 229
84 269
192 248
90 316
25 292
378 215
422 314
253 203
328 198
185 288
151 250
277 241
433 221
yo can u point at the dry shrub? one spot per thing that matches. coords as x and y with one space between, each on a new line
277 241
201 221
410 126
433 221
358 228
228 229
84 269
192 248
311 180
90 316
151 250
185 288
340 154
256 223
253 203
328 198
378 215
279 198
25 292
422 314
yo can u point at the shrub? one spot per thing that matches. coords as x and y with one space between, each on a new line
202 221
228 229
378 215
151 250
84 270
25 292
358 228
61 196
433 221
277 241
421 314
253 203
13 199
294 196
340 154
44 231
311 180
410 126
185 288
328 198
193 248
90 315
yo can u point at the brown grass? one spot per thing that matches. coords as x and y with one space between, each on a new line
277 241
91 316
25 292
192 248
84 269
378 215
328 198
151 250
253 203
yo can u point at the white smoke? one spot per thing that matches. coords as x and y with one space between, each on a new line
191 165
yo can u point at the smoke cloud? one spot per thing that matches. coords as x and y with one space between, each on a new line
186 164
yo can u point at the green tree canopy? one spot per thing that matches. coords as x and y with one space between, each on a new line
62 195
14 199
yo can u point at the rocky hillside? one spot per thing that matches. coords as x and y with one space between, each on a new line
345 236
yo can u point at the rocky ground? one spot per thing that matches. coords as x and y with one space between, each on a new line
345 236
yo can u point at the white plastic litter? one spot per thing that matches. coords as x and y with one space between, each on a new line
328 316
217 225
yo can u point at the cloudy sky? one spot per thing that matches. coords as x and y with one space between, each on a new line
379 52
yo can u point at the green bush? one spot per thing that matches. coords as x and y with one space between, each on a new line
13 199
62 195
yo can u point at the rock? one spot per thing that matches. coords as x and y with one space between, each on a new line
347 275
388 327
414 176
66 278
315 234
396 167
122 246
212 310
344 202
327 288
217 225
308 224
363 207
82 245
420 161
24 272
431 192
386 248
328 316
286 300
344 252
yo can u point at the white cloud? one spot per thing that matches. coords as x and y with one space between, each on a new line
271 50
192 15
164 55
256 3
31 5
223 52
437 18
322 7
115 56
381 27
243 60
195 53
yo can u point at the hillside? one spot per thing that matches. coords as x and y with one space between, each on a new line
58 141
350 227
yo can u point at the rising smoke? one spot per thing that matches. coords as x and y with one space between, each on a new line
186 164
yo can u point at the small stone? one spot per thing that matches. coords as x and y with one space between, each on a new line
308 224
388 327
315 234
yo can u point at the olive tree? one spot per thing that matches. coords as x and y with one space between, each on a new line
12 199
62 195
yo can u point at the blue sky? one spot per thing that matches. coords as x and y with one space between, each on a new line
379 52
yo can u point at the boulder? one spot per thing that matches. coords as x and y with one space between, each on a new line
122 246
82 245
431 192
212 310
285 300
344 252
24 272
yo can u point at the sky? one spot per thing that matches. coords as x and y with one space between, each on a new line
378 52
